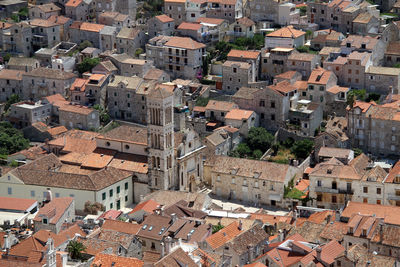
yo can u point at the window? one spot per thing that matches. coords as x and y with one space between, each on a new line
126 186
103 196
126 146
44 221
321 88
319 197
218 178
111 192
71 195
57 195
365 200
9 191
262 103
311 87
108 144
365 189
32 193
272 104
256 184
233 180
272 117
234 70
126 198
319 183
333 199
118 189
378 191
111 206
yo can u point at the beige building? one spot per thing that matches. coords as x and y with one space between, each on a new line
33 180
44 11
181 57
127 98
160 25
304 63
129 40
43 82
373 128
79 117
260 182
236 74
10 83
382 80
229 10
175 9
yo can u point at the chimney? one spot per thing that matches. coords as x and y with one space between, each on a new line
189 235
167 242
275 81
318 250
173 217
240 225
6 243
162 250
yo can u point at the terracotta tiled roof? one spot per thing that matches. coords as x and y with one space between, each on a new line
124 227
389 213
302 57
210 20
54 210
220 105
95 246
17 204
393 48
357 40
246 93
338 89
239 114
286 32
42 23
78 109
79 84
184 42
48 7
264 170
283 87
110 214
363 18
91 27
60 20
255 264
393 173
116 261
57 130
11 74
125 133
51 74
176 258
148 206
73 3
334 230
189 26
333 152
5 25
288 75
244 54
155 227
151 256
320 76
224 235
164 18
245 21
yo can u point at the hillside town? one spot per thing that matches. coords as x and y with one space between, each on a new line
208 133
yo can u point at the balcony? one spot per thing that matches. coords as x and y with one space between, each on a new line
236 34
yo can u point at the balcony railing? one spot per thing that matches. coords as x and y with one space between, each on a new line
393 197
333 191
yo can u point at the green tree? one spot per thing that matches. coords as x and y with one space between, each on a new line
7 57
11 139
259 138
104 116
12 100
301 149
356 94
88 64
357 152
138 52
216 228
257 154
75 249
202 101
85 44
241 151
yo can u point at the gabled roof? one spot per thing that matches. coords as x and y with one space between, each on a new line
246 54
220 105
190 26
54 210
239 114
320 76
224 235
286 32
16 204
184 42
164 18
147 206
102 259
177 258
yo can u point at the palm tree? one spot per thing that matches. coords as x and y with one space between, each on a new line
75 249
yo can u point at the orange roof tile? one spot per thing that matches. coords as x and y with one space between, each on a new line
303 185
116 261
73 3
220 105
79 85
224 235
120 226
17 204
337 89
57 130
238 114
189 26
286 32
393 173
148 206
54 209
91 27
184 42
244 54
210 20
320 76
164 18
83 110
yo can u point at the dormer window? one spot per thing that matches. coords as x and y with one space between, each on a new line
348 44
45 221
397 179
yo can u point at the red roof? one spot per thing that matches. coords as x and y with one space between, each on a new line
21 204
148 206
110 214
